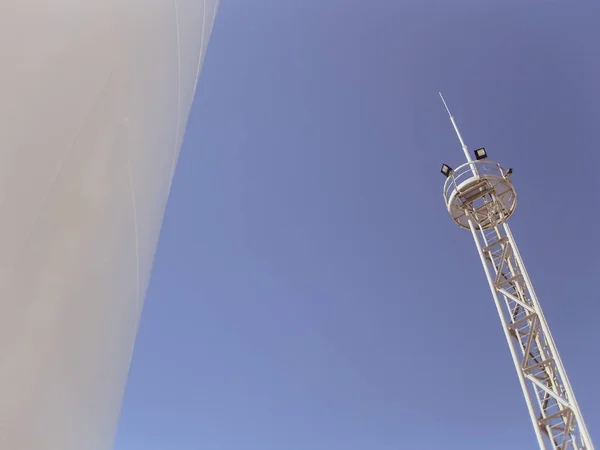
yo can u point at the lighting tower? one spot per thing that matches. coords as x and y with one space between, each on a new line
480 197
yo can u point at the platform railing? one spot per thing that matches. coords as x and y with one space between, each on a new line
471 170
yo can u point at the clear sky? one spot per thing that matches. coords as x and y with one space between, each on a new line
310 291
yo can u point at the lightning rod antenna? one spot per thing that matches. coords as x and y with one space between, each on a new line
462 143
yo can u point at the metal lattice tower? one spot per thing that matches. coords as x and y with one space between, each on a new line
480 197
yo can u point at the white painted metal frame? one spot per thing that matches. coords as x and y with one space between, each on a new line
466 186
553 409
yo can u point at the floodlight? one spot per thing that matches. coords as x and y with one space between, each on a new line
480 153
446 170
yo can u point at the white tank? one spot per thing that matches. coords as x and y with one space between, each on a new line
94 100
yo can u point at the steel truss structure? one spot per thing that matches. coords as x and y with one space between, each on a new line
480 197
552 405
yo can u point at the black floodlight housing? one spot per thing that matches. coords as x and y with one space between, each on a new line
446 170
480 153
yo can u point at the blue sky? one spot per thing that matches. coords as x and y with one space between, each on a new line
310 291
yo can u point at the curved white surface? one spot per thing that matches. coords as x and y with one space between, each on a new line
94 99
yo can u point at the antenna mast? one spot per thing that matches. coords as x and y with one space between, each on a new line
462 143
480 197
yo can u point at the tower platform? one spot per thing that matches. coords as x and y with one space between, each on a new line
480 191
